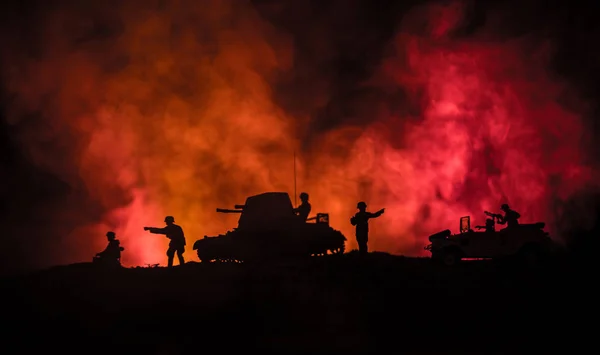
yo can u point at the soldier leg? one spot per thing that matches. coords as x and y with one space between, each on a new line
180 255
362 245
170 256
363 249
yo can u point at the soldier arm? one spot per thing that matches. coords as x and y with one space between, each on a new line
376 214
517 215
118 246
182 236
155 230
107 249
302 207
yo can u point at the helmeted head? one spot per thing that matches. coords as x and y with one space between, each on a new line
304 197
111 235
361 205
169 220
504 207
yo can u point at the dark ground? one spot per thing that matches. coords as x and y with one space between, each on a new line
384 304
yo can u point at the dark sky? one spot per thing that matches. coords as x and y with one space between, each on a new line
356 35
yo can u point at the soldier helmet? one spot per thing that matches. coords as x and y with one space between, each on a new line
361 205
170 219
304 196
110 234
504 207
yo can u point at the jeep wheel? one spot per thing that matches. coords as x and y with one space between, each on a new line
450 258
530 255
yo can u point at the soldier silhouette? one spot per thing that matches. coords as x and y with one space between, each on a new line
361 221
304 209
112 254
175 234
510 218
490 225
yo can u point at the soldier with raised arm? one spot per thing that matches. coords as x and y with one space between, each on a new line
361 221
175 234
304 209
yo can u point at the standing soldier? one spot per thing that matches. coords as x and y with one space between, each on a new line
304 209
175 234
361 221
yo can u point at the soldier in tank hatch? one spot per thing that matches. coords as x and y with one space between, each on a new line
112 253
304 209
361 221
175 233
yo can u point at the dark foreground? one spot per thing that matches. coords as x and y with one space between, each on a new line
384 304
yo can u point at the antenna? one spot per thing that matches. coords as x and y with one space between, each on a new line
295 194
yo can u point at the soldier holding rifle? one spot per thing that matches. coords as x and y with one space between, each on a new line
510 218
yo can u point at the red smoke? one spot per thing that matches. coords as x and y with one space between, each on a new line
176 116
491 130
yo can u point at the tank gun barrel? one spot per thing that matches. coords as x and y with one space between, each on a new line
225 210
239 207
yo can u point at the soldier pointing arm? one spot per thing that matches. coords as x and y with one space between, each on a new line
361 221
175 233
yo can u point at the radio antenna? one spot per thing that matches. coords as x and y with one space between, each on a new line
295 194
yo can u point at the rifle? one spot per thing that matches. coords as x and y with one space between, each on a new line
493 215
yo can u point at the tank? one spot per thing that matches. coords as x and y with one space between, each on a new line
528 242
268 228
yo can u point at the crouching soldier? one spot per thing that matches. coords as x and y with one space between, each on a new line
111 256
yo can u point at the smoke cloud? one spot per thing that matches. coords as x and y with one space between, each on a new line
178 107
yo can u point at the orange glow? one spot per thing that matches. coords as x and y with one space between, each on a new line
177 116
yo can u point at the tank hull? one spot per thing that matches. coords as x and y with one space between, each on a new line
270 228
256 245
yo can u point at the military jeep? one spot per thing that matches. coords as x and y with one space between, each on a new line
528 242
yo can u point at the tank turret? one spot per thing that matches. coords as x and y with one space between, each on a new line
269 228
